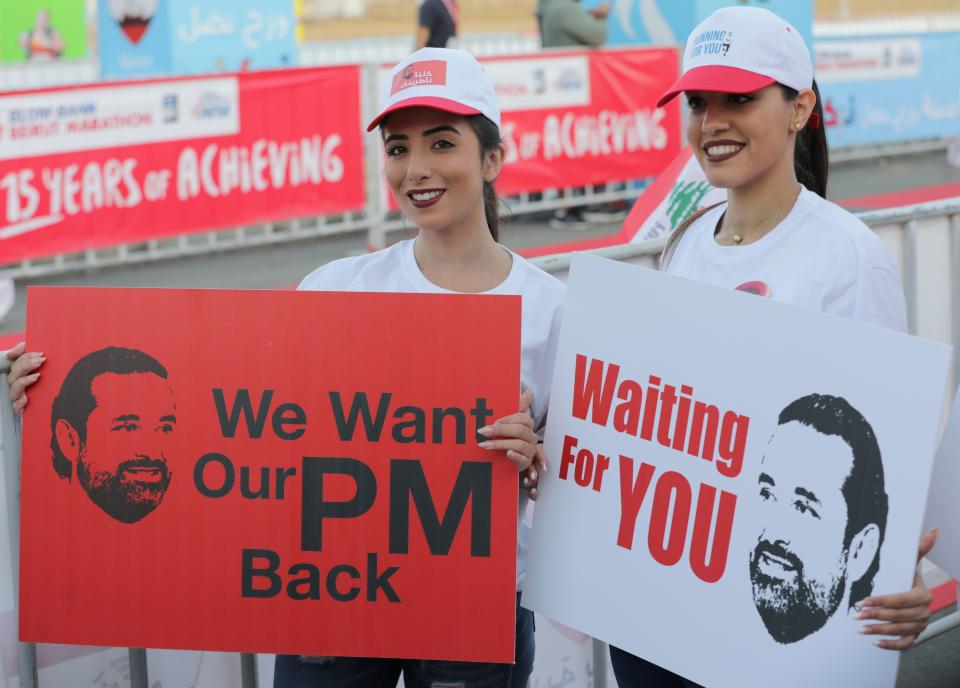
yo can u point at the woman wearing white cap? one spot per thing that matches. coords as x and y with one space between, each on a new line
754 123
440 126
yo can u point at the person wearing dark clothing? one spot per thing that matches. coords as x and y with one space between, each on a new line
436 23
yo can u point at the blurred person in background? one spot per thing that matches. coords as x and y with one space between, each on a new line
42 41
566 24
437 21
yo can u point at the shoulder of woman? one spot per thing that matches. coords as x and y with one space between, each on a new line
339 274
843 229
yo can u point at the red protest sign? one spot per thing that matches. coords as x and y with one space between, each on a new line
284 472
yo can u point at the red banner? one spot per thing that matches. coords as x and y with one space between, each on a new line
298 475
100 165
573 119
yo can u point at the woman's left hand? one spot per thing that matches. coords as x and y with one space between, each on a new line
514 434
905 614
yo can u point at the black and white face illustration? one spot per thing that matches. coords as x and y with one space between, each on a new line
822 517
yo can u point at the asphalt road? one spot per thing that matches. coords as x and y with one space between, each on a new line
285 264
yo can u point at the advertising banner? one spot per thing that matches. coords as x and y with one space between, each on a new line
134 38
731 475
888 89
231 35
101 165
164 37
300 475
42 30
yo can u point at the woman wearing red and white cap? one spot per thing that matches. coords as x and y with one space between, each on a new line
754 123
440 126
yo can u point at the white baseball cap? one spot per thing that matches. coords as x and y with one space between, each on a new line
439 78
741 50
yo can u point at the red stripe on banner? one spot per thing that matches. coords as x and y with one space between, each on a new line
902 198
943 596
104 164
649 199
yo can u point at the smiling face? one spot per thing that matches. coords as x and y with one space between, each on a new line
744 139
436 170
798 568
122 460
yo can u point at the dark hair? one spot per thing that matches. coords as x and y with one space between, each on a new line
863 489
75 401
810 154
490 140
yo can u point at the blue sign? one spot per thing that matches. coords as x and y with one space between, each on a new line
885 89
154 37
134 38
669 22
232 35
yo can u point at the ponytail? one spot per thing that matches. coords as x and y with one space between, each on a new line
489 137
810 154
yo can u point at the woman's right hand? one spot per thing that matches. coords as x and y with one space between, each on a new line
23 373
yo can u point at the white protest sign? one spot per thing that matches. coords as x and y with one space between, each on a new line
704 508
943 504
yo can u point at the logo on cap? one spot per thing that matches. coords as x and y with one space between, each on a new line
713 42
427 73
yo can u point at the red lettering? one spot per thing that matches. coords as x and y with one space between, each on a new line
631 497
671 486
711 572
587 391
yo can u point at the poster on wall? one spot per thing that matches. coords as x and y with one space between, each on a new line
300 475
731 474
42 30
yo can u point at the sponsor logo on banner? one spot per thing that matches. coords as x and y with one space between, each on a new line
212 105
133 16
539 84
80 120
426 73
868 60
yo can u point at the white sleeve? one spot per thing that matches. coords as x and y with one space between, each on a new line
880 299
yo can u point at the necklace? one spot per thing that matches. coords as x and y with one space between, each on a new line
738 236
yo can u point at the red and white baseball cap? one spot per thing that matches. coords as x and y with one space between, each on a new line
439 78
741 50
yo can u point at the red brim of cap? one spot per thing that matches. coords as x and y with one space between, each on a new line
716 78
428 102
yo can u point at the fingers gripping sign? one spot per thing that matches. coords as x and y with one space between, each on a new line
514 435
904 614
23 373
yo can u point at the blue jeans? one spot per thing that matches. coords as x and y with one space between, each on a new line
292 671
633 672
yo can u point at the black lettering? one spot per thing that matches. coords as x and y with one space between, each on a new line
241 404
474 482
199 475
334 591
482 414
297 416
282 475
269 572
310 583
418 424
263 492
460 424
375 582
372 427
314 508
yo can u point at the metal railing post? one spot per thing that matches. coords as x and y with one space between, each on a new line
10 450
138 668
955 294
599 664
911 290
248 671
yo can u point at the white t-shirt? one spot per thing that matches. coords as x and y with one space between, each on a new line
819 257
395 269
